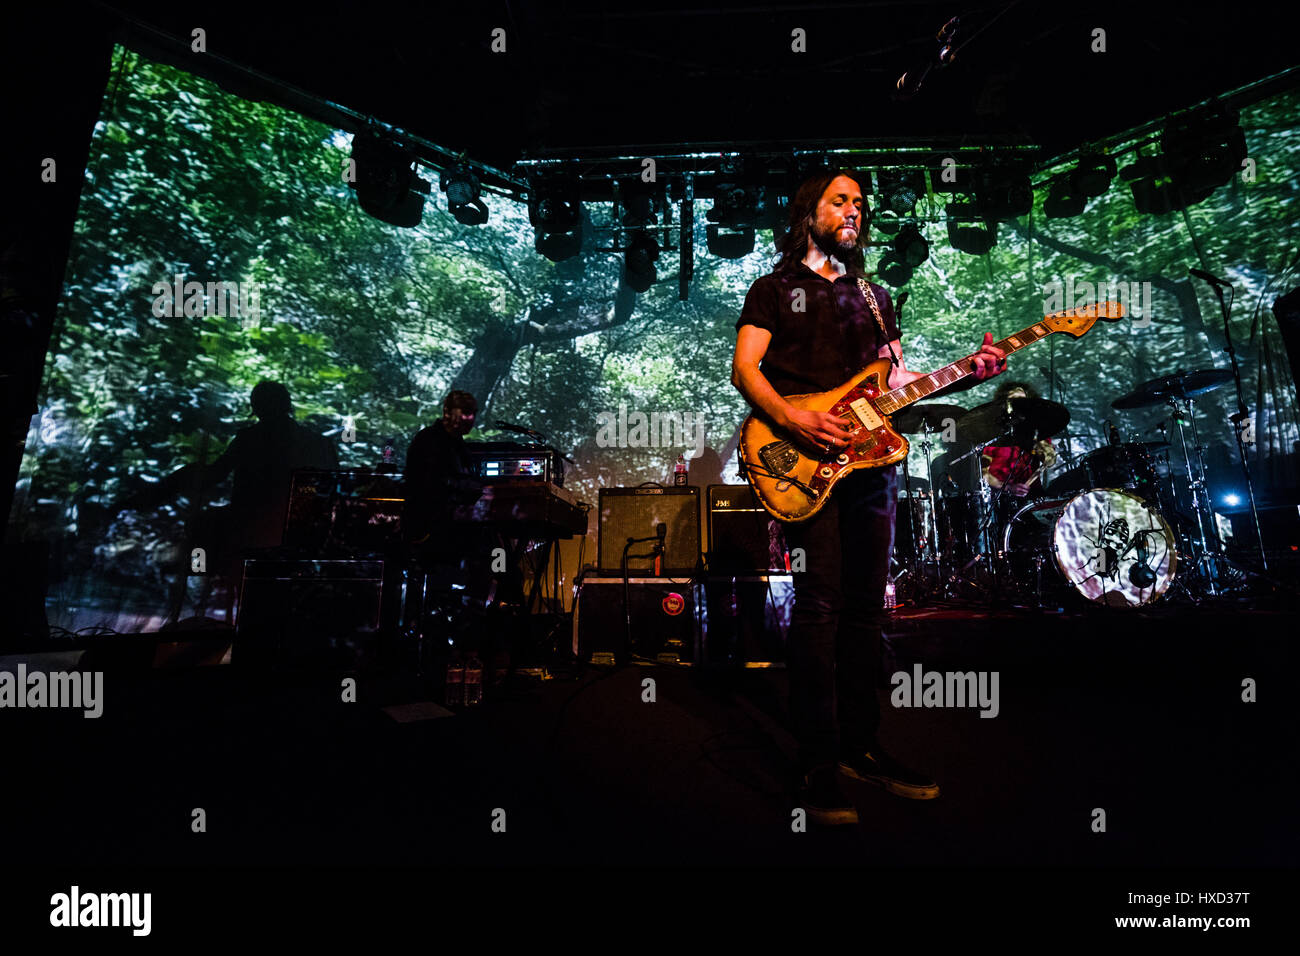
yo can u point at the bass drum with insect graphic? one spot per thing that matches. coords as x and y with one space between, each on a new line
1111 546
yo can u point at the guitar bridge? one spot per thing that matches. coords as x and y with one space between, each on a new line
778 457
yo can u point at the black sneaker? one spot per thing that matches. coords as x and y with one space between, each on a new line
823 801
876 766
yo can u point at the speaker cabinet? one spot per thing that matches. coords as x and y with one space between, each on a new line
309 614
665 619
743 537
637 513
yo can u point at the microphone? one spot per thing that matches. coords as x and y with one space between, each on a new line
662 531
898 306
1213 280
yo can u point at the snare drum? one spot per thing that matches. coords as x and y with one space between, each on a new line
1110 545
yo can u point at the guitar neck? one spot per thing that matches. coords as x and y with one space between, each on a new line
891 401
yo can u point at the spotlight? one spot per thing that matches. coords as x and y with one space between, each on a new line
387 186
555 210
967 237
728 243
1232 500
1062 201
462 189
910 246
899 191
1092 176
1205 152
639 262
1003 193
893 270
642 202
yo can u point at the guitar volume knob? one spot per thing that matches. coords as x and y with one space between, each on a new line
826 471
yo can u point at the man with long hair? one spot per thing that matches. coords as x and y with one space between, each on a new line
808 327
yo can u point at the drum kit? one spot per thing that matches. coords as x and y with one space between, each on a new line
1118 526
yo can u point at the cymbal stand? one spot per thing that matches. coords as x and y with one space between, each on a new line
1196 481
926 445
918 579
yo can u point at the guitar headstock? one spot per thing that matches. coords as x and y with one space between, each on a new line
1077 321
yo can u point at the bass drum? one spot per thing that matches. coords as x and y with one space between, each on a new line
1109 545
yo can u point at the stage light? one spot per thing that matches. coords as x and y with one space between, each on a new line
639 262
1003 193
893 270
1092 176
555 210
910 246
964 235
1062 201
642 202
899 191
386 184
462 189
1232 500
728 243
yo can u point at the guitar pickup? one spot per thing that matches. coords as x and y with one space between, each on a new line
778 457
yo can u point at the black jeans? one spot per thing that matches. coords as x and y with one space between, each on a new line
833 651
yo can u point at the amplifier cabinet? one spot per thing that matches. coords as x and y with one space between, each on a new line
747 619
743 537
637 513
665 619
309 613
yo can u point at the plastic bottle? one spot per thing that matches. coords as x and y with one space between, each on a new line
679 472
891 594
390 457
455 682
473 681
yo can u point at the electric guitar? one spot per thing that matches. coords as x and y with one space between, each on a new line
793 484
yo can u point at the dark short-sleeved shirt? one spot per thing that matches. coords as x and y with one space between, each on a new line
822 346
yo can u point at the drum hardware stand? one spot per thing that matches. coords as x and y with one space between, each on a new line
1196 481
1242 414
918 578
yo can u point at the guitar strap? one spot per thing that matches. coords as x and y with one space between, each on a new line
870 296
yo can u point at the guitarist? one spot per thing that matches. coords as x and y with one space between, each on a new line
806 327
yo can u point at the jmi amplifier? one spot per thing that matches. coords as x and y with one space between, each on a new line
743 537
665 619
637 513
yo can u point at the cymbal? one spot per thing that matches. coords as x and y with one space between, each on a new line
910 420
1182 385
1030 421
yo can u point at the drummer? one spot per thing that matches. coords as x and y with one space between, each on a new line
1011 469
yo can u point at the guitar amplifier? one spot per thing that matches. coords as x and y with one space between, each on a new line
743 537
308 614
637 513
665 619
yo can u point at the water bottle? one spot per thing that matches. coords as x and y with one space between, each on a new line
455 682
679 472
390 457
891 595
473 680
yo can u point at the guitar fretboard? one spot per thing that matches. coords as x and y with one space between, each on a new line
891 401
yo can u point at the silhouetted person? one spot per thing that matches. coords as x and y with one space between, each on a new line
438 473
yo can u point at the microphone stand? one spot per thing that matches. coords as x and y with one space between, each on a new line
1238 420
627 602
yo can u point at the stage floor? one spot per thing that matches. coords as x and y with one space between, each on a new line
1138 714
